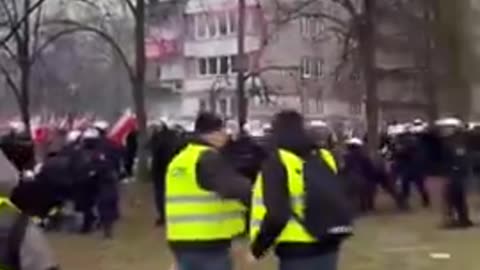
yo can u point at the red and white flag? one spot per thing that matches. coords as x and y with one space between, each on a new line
122 128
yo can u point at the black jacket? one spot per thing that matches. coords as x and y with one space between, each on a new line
277 202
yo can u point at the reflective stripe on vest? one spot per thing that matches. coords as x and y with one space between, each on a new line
7 202
195 214
293 231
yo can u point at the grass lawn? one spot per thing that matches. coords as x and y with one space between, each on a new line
387 241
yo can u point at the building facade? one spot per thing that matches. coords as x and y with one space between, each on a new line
289 66
165 61
210 51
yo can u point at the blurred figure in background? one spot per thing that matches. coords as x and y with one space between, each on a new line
359 170
131 153
409 165
165 143
104 178
455 168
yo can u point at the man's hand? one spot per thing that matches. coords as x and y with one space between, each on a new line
173 266
250 259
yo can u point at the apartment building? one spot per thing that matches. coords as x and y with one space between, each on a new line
400 51
165 61
310 54
210 51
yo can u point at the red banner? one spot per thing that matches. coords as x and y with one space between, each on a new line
124 126
158 49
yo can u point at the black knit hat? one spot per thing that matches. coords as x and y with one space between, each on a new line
207 122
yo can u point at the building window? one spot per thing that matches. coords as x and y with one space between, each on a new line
311 27
202 66
232 21
317 67
312 67
224 65
158 70
215 24
223 106
355 76
202 105
233 106
320 106
355 108
201 24
212 26
212 65
306 67
223 24
216 65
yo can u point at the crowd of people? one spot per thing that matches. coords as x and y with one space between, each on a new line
290 189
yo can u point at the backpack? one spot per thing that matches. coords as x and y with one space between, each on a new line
327 214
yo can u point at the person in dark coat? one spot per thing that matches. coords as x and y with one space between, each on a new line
131 152
366 175
104 177
245 155
165 144
456 166
288 134
410 167
19 149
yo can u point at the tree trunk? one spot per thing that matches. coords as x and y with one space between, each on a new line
451 27
25 70
428 69
367 47
242 102
138 89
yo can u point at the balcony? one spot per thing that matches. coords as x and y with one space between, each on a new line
199 6
217 47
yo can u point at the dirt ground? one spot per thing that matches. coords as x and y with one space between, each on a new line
386 241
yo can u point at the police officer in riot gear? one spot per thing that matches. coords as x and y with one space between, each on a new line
455 168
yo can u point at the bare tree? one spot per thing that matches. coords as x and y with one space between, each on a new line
356 29
457 42
23 20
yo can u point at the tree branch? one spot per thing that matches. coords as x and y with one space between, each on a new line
348 6
132 7
14 29
11 14
301 10
36 27
9 52
79 27
11 83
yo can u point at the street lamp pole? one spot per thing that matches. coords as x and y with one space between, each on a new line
242 66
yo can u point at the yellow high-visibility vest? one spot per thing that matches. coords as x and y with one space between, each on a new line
11 211
293 231
6 202
193 213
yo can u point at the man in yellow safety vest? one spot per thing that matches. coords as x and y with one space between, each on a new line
278 201
204 196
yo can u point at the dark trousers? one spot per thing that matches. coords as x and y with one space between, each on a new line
129 163
322 262
159 196
204 260
89 220
419 182
457 208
